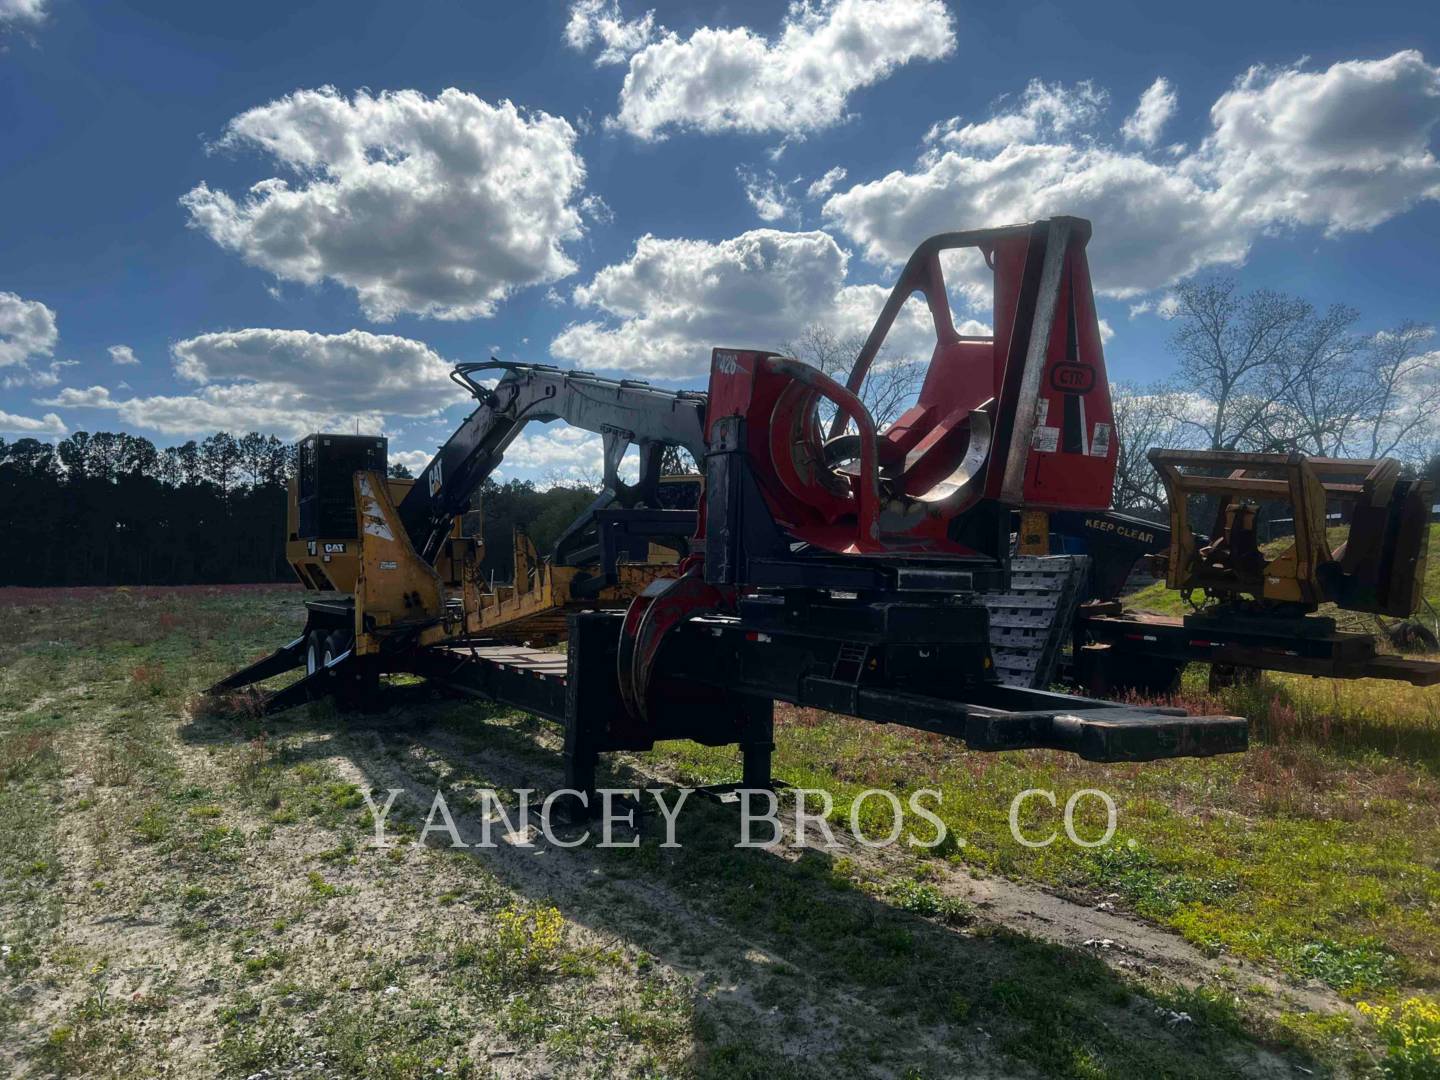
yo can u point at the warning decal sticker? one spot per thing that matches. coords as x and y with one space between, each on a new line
1100 443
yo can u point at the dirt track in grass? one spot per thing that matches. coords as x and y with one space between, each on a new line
195 894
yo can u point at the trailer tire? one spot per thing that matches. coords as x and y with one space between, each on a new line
314 651
338 643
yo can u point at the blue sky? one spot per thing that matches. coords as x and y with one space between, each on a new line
1290 144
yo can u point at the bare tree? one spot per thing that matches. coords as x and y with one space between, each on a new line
1402 381
580 477
1275 375
1248 356
1320 397
890 386
1145 416
677 461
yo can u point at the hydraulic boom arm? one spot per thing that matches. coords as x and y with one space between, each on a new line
623 412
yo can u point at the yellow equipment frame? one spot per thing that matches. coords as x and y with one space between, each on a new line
1379 568
398 592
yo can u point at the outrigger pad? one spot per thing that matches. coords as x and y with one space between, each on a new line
286 658
1115 734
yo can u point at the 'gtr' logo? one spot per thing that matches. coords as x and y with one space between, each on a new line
1072 378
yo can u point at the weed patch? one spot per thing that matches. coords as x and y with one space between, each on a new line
1411 1034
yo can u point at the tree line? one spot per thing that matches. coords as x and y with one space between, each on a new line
110 508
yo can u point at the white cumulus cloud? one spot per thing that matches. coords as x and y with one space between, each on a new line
24 375
49 424
797 81
825 184
1044 110
766 194
437 206
1166 307
414 460
353 371
1152 224
1344 148
18 12
289 382
235 409
673 300
123 354
600 21
1157 105
27 330
550 454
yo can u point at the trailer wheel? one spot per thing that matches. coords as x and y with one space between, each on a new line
314 651
356 683
338 643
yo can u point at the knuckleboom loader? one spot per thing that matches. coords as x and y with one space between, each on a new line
828 564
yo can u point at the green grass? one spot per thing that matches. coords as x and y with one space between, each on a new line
141 842
1322 861
241 846
1062 1011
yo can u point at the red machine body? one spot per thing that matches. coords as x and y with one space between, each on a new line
1021 417
909 518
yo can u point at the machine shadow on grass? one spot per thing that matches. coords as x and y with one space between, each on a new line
794 963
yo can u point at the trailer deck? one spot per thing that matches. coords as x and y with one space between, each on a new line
1303 647
578 690
724 677
851 573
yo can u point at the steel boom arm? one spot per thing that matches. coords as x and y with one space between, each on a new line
623 412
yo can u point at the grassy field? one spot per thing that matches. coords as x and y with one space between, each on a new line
190 894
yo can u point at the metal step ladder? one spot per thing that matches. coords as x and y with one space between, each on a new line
1029 625
850 662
